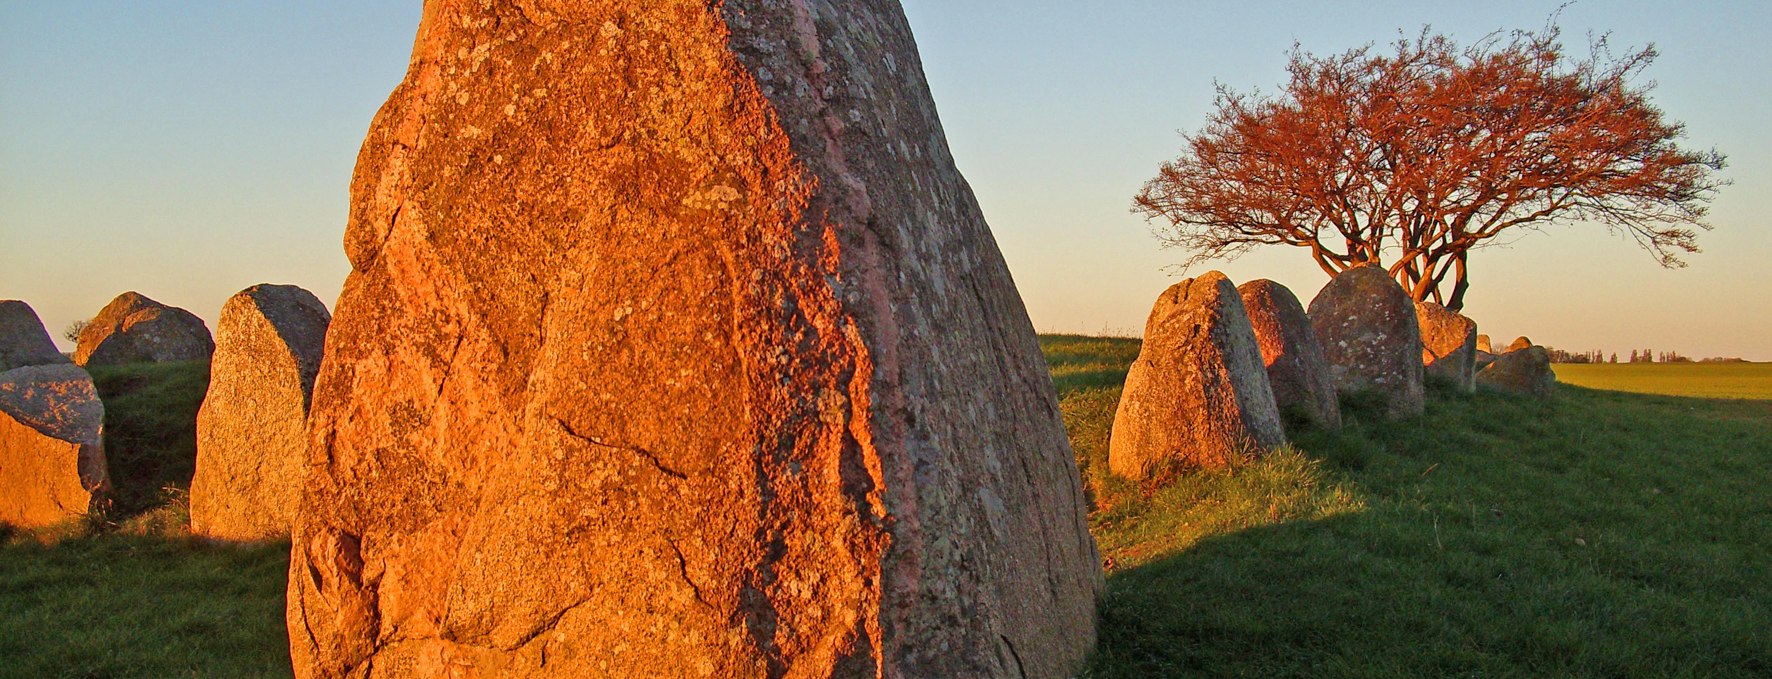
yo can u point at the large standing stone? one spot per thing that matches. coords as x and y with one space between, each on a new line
135 329
676 346
1526 372
23 341
52 457
1296 367
252 428
1370 335
1198 394
1448 344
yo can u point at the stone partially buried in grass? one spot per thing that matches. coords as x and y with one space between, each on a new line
1198 394
52 457
1371 337
1526 372
252 428
1448 344
675 345
135 329
23 341
1296 368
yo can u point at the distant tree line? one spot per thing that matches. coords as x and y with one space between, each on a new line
1636 356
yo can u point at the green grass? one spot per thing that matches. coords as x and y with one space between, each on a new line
1699 380
1596 534
150 431
118 605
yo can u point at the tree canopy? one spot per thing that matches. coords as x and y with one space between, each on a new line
1412 157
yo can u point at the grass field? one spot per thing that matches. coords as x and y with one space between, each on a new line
1699 380
1597 534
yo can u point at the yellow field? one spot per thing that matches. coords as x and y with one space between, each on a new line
1699 380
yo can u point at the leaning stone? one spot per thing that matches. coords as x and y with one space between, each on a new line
23 341
1371 337
1296 367
1526 372
52 455
1448 344
1198 395
675 345
135 329
252 428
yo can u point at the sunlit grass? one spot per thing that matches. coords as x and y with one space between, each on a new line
1698 380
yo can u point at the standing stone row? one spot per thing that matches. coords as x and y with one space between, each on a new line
1219 365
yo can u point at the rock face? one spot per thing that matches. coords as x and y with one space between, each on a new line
1518 344
135 329
1483 344
1525 371
1296 367
52 457
1448 344
252 429
675 345
23 341
1370 335
1198 394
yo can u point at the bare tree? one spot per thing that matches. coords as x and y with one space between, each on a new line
72 332
1412 158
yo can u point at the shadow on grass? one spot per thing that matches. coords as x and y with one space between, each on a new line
1596 534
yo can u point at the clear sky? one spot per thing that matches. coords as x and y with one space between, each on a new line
191 148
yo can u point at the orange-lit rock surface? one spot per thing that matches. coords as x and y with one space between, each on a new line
1448 344
675 346
52 458
23 341
1371 337
136 329
1296 368
1198 394
252 429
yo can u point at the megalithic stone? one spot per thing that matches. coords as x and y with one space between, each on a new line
1296 367
675 345
252 429
1371 336
52 454
23 341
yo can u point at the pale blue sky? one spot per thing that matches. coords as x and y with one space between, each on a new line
190 149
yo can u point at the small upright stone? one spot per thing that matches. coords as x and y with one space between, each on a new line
1198 394
1483 344
1525 372
52 456
1448 344
23 341
135 329
252 429
1296 368
1371 337
1518 344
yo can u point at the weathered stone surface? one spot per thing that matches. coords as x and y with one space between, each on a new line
1518 344
1296 367
1483 344
252 428
676 346
23 341
135 329
1198 394
1525 371
52 457
1448 344
1484 358
1370 336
